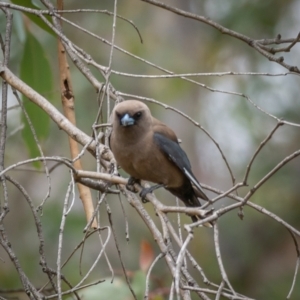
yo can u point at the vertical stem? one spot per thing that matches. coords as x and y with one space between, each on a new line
3 130
68 103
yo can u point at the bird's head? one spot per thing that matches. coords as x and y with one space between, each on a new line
132 113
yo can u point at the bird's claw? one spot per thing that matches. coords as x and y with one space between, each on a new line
144 193
130 184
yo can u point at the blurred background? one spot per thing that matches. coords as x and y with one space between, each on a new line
258 253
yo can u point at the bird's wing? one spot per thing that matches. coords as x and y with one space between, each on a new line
175 153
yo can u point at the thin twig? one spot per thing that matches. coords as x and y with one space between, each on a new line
180 260
120 258
297 264
262 144
220 262
270 174
60 237
158 257
97 258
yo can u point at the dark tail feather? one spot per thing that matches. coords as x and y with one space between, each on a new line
200 193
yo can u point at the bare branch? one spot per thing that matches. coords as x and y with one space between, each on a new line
271 173
251 42
262 144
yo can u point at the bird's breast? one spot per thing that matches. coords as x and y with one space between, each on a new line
150 164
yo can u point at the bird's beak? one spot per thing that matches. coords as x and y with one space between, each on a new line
126 120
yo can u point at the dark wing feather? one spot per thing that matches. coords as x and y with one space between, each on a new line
175 153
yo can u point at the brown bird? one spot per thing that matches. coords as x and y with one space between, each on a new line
149 150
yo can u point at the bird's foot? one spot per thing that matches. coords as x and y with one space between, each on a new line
130 184
146 191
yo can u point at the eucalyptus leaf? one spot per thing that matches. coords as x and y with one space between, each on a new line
36 72
34 18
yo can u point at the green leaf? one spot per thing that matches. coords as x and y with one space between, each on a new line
34 18
36 72
139 283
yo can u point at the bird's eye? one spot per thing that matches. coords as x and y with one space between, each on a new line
137 115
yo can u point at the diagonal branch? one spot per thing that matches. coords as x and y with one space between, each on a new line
61 121
251 42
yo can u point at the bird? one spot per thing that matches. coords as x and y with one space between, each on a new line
148 150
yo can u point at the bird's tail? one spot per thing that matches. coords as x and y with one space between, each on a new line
199 193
